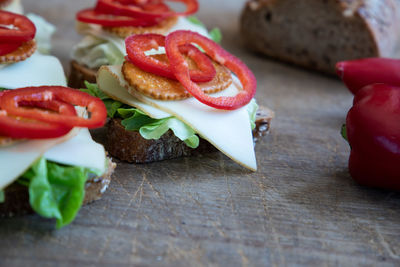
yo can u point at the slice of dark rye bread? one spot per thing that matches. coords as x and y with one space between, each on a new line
17 196
79 74
130 146
318 33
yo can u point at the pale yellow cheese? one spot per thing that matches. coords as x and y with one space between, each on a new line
16 159
37 70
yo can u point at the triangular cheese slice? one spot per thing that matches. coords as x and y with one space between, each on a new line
16 159
75 149
79 151
37 70
229 131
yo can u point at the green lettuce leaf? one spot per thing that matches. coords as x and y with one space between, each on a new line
111 105
252 108
149 128
93 89
194 20
215 33
56 191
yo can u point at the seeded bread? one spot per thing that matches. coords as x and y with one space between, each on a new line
318 33
17 196
130 146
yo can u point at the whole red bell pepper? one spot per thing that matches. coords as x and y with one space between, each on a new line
373 123
373 132
362 72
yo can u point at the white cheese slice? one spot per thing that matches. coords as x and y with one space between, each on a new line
119 93
80 150
229 131
75 149
16 159
15 7
37 70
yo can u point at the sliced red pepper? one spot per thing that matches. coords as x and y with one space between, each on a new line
361 72
6 48
15 28
21 128
180 69
108 20
11 103
136 45
147 10
125 7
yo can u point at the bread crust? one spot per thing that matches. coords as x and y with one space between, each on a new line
131 147
79 74
17 196
341 30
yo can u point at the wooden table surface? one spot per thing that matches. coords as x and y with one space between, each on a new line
300 208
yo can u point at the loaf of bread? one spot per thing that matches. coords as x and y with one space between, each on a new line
318 33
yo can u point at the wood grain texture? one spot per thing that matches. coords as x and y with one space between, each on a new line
299 208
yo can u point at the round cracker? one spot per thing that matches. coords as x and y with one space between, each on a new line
161 88
23 52
162 28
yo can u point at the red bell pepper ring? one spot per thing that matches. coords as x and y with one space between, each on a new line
6 48
131 8
147 10
180 69
15 28
362 72
11 101
373 132
137 45
107 20
21 128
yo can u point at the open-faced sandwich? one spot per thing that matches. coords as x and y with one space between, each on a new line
168 93
106 26
48 159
